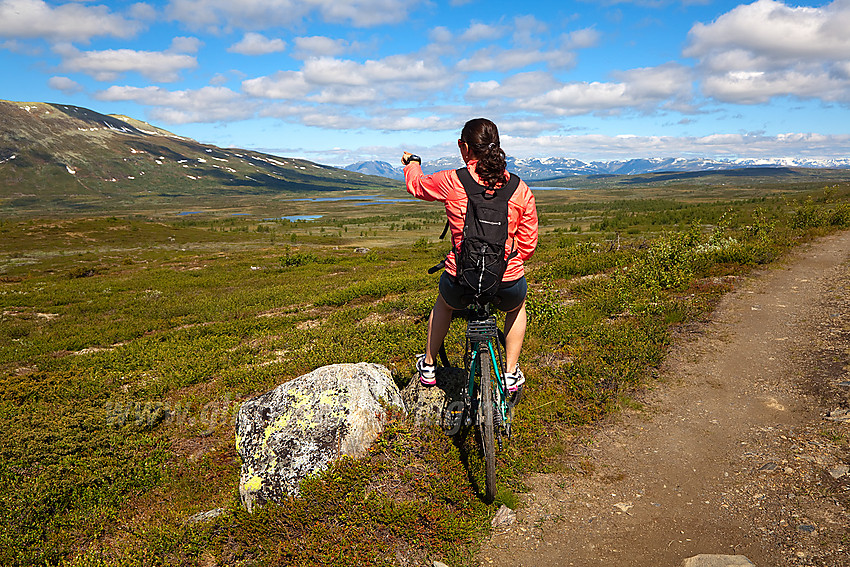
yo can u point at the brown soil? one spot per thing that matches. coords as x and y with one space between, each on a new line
731 453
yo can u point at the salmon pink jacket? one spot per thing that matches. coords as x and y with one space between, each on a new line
445 187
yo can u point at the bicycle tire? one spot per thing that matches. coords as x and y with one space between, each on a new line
487 428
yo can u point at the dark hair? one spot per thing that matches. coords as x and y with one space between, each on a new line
482 137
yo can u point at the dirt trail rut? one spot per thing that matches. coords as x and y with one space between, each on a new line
731 453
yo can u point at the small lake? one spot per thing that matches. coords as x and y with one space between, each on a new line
366 200
552 188
290 218
383 201
295 218
334 199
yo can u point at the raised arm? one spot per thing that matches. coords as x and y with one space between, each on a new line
434 187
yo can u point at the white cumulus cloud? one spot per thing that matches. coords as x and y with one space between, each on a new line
64 84
774 29
185 45
347 96
395 68
478 31
529 44
651 84
142 11
645 89
580 98
768 49
441 34
582 39
107 65
264 14
319 46
520 85
253 43
528 30
498 59
365 87
207 104
283 85
73 21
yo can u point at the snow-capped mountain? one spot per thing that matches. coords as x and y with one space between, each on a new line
381 168
554 168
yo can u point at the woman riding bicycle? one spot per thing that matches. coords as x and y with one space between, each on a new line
480 149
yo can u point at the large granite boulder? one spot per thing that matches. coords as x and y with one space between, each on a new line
301 426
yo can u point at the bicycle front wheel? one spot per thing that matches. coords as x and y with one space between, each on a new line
487 430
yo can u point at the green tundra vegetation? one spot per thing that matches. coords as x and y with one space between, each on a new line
127 343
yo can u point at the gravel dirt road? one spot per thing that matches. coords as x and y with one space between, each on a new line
733 451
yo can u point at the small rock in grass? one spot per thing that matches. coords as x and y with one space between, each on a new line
839 471
504 517
204 516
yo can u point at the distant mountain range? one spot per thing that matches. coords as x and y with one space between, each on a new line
555 168
57 158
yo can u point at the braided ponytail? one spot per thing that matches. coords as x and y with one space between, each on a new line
482 137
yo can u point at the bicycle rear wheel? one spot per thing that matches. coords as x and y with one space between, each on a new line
487 430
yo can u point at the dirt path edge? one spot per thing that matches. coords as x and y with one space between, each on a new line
731 453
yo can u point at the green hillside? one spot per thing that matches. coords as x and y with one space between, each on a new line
61 159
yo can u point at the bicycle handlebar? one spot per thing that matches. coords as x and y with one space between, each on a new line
437 268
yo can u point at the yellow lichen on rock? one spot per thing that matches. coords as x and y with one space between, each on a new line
254 484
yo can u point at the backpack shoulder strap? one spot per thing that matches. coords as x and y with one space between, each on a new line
511 186
466 179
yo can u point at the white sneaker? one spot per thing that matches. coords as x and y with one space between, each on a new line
427 372
514 380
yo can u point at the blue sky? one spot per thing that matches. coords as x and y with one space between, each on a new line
340 81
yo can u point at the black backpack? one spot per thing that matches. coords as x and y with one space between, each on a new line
481 260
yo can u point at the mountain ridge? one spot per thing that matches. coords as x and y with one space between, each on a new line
552 168
65 158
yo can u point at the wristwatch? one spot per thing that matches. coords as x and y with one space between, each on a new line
413 157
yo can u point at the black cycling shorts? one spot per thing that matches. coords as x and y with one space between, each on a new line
510 295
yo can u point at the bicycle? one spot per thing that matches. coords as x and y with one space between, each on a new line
486 402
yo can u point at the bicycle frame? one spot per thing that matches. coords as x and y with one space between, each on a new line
493 350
